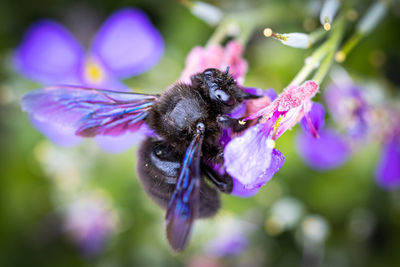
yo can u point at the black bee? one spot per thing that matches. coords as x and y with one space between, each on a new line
188 122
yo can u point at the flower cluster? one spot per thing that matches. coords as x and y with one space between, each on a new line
252 159
361 119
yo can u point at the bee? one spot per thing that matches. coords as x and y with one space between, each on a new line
176 166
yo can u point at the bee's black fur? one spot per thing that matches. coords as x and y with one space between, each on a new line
160 164
175 117
178 110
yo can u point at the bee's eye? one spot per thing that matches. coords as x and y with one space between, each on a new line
223 97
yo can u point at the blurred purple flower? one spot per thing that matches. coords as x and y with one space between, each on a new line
227 245
387 172
90 221
127 44
251 159
363 119
232 237
328 151
348 107
320 148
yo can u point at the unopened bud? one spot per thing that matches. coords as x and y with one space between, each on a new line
294 39
328 11
372 17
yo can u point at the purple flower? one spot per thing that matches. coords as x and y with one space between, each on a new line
320 148
328 151
348 107
90 221
127 44
387 172
232 237
227 245
251 159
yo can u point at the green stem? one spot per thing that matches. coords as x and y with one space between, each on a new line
246 30
325 66
232 23
327 48
246 22
311 64
317 35
351 43
334 41
221 32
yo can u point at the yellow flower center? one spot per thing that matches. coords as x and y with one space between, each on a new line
93 71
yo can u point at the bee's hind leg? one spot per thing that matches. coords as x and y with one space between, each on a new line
224 182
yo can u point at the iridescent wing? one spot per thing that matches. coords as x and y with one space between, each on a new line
87 111
183 207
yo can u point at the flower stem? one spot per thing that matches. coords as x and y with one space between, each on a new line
349 45
221 32
334 41
327 48
241 25
311 63
317 35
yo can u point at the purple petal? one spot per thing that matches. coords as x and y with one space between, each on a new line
260 92
240 189
248 156
55 134
271 94
277 161
48 53
328 151
128 43
250 160
387 172
314 120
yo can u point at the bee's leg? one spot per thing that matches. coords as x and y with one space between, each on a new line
237 125
224 182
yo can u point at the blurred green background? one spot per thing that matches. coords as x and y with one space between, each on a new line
359 223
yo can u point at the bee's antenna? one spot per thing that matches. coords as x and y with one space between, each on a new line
227 70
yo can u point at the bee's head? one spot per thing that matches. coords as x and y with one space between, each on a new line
220 88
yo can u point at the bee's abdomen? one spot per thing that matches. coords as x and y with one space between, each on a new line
158 170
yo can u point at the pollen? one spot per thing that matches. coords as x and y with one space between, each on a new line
268 32
93 72
327 26
275 130
242 122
